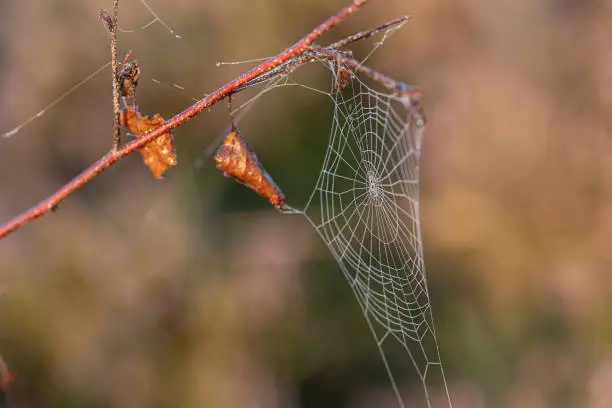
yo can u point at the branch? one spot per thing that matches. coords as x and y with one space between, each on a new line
111 27
115 69
51 203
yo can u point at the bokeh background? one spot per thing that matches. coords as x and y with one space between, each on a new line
193 292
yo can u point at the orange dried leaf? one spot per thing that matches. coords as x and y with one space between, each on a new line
236 160
159 154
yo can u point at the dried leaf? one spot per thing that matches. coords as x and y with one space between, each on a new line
236 160
159 154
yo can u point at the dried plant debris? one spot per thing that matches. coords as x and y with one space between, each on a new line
159 155
236 160
6 377
128 78
107 19
343 77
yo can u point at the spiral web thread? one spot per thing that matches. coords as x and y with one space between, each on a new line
365 207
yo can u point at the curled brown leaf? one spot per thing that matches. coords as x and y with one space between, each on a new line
159 155
237 160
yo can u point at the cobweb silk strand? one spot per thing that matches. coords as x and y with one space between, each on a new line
365 207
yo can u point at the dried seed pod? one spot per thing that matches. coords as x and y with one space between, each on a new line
107 19
159 155
236 160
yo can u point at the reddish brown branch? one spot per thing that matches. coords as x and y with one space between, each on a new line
110 158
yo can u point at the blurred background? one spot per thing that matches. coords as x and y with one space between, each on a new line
194 292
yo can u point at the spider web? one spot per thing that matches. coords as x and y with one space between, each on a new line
365 207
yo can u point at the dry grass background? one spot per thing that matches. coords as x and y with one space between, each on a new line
191 292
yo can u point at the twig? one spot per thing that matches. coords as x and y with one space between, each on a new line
368 33
111 27
115 68
309 56
113 156
389 83
409 95
285 68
